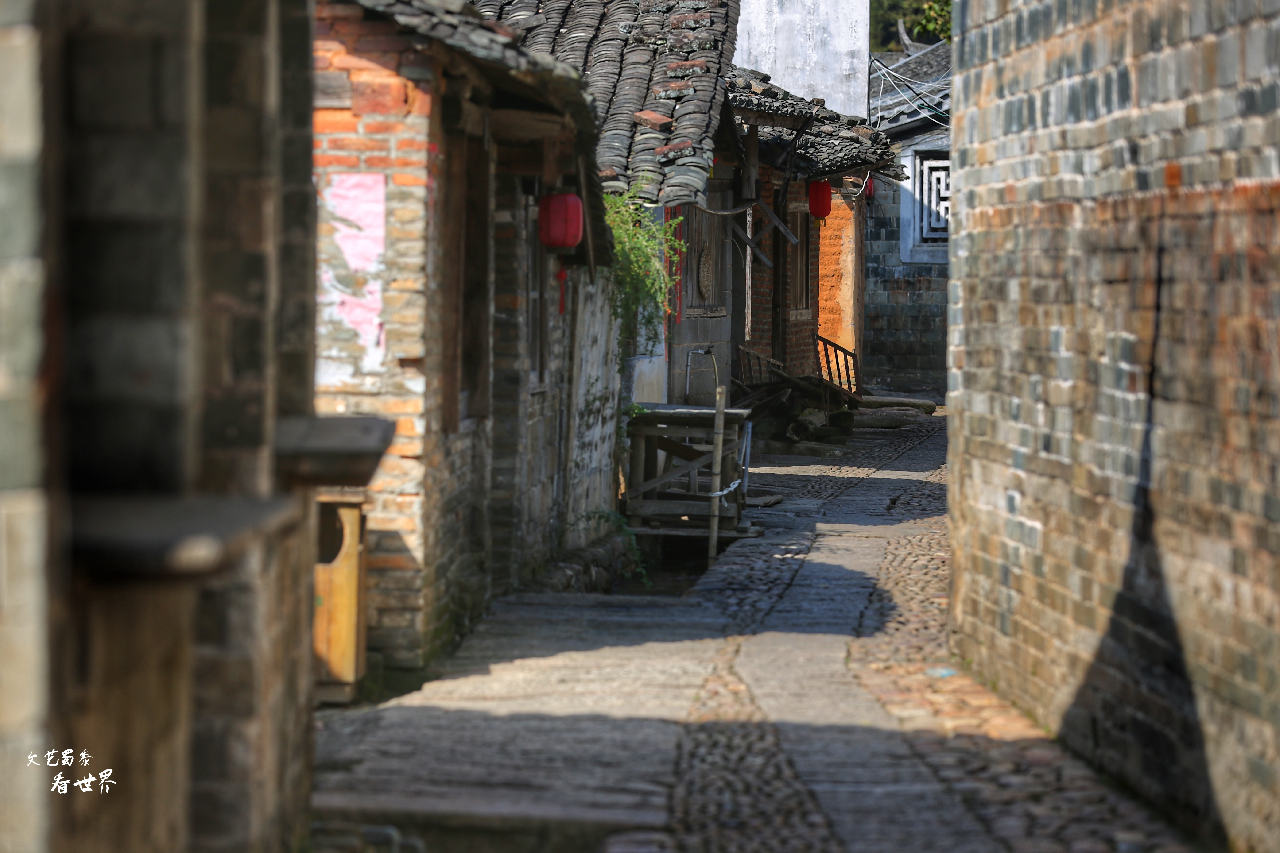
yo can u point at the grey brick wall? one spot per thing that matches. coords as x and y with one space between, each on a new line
1114 391
905 329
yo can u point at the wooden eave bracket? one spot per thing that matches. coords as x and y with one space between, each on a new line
526 125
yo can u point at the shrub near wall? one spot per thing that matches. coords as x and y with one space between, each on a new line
1115 390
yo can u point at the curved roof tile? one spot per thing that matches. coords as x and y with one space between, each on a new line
658 56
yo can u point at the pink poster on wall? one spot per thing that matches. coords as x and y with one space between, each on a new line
358 209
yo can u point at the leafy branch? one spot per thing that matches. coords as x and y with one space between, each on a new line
935 19
642 274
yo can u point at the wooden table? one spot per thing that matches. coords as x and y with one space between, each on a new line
670 469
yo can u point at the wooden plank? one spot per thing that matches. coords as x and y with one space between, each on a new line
338 627
525 125
332 90
682 451
755 250
651 482
674 431
636 472
693 509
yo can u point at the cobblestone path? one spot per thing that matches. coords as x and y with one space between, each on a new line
798 698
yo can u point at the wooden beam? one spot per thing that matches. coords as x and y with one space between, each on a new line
762 119
525 126
755 250
774 221
550 163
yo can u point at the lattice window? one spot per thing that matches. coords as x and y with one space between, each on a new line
933 197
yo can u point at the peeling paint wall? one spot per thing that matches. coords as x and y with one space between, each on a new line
813 48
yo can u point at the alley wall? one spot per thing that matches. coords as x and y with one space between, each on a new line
905 343
1115 390
785 301
438 308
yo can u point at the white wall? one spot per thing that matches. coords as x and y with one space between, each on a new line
813 48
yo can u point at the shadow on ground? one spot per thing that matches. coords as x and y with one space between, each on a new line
470 781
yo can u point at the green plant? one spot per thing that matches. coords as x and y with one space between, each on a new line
642 277
885 15
935 19
618 523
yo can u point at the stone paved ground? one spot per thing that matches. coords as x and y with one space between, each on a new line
798 698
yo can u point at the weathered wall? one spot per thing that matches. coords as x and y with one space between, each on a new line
142 274
905 346
813 48
24 681
1115 390
778 330
380 302
593 433
838 267
425 317
251 744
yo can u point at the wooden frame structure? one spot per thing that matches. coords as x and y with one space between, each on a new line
671 453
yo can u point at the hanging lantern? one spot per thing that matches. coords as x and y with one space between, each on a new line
870 185
820 200
560 221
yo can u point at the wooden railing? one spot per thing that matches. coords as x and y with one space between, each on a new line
838 367
756 369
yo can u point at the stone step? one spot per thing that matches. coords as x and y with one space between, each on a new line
483 825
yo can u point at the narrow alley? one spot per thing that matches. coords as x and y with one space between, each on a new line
797 698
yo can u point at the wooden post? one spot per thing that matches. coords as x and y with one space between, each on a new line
717 450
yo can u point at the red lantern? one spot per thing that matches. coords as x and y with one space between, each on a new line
820 200
560 221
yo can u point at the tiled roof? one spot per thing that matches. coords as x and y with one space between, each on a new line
833 145
654 70
459 26
895 108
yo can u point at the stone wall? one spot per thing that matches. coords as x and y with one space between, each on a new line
1114 390
906 325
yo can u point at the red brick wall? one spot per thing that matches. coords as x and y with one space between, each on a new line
386 131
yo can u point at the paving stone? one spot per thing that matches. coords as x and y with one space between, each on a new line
799 697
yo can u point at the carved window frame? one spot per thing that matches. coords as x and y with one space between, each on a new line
927 169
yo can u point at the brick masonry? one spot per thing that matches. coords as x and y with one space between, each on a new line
777 330
473 495
1113 382
905 344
